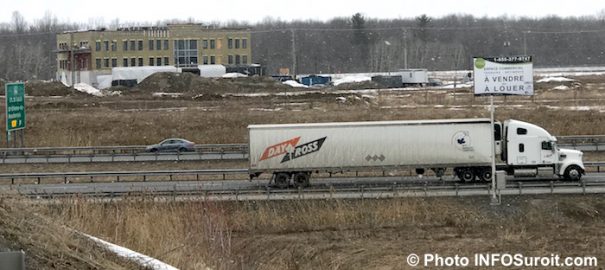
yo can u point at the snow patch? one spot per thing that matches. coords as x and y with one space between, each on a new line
143 260
555 79
172 95
561 87
234 75
265 110
85 88
294 83
352 79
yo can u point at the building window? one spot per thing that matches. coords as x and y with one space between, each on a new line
158 44
114 46
212 60
230 60
125 45
151 45
98 62
166 61
205 44
106 62
185 53
140 61
237 59
140 45
125 62
212 44
237 43
166 45
158 61
205 59
133 45
133 62
230 43
106 43
244 43
151 61
98 46
244 59
114 62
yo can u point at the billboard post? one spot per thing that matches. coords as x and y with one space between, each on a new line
505 75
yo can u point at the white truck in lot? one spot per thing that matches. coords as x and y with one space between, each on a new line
291 152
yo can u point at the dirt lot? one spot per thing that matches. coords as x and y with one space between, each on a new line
225 108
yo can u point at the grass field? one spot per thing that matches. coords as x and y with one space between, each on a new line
341 234
136 119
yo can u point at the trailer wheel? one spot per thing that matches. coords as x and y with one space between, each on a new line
573 173
301 179
485 174
282 180
467 175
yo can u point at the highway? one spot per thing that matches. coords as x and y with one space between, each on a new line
136 153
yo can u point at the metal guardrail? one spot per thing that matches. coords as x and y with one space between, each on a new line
202 152
358 192
583 142
116 175
142 176
108 150
118 154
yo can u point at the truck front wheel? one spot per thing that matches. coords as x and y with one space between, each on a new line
573 173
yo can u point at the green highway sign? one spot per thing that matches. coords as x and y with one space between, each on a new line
15 106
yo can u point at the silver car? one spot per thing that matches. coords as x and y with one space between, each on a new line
172 145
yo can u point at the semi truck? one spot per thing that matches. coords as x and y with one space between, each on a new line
292 152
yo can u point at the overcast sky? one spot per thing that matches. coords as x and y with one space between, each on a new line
254 11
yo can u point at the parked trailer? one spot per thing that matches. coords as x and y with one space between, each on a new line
291 152
414 77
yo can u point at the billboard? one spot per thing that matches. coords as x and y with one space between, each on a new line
506 75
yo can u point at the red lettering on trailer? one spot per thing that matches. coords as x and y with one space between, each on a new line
279 149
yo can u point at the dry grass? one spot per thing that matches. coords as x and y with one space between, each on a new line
341 234
49 245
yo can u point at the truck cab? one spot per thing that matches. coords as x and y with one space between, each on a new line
529 150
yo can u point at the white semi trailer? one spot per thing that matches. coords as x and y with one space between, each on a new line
291 152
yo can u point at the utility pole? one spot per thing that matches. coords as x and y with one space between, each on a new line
405 49
293 54
525 42
72 60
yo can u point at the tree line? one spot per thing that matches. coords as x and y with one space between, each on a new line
351 44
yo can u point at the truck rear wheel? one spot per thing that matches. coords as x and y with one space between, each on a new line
281 180
301 179
467 175
485 174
